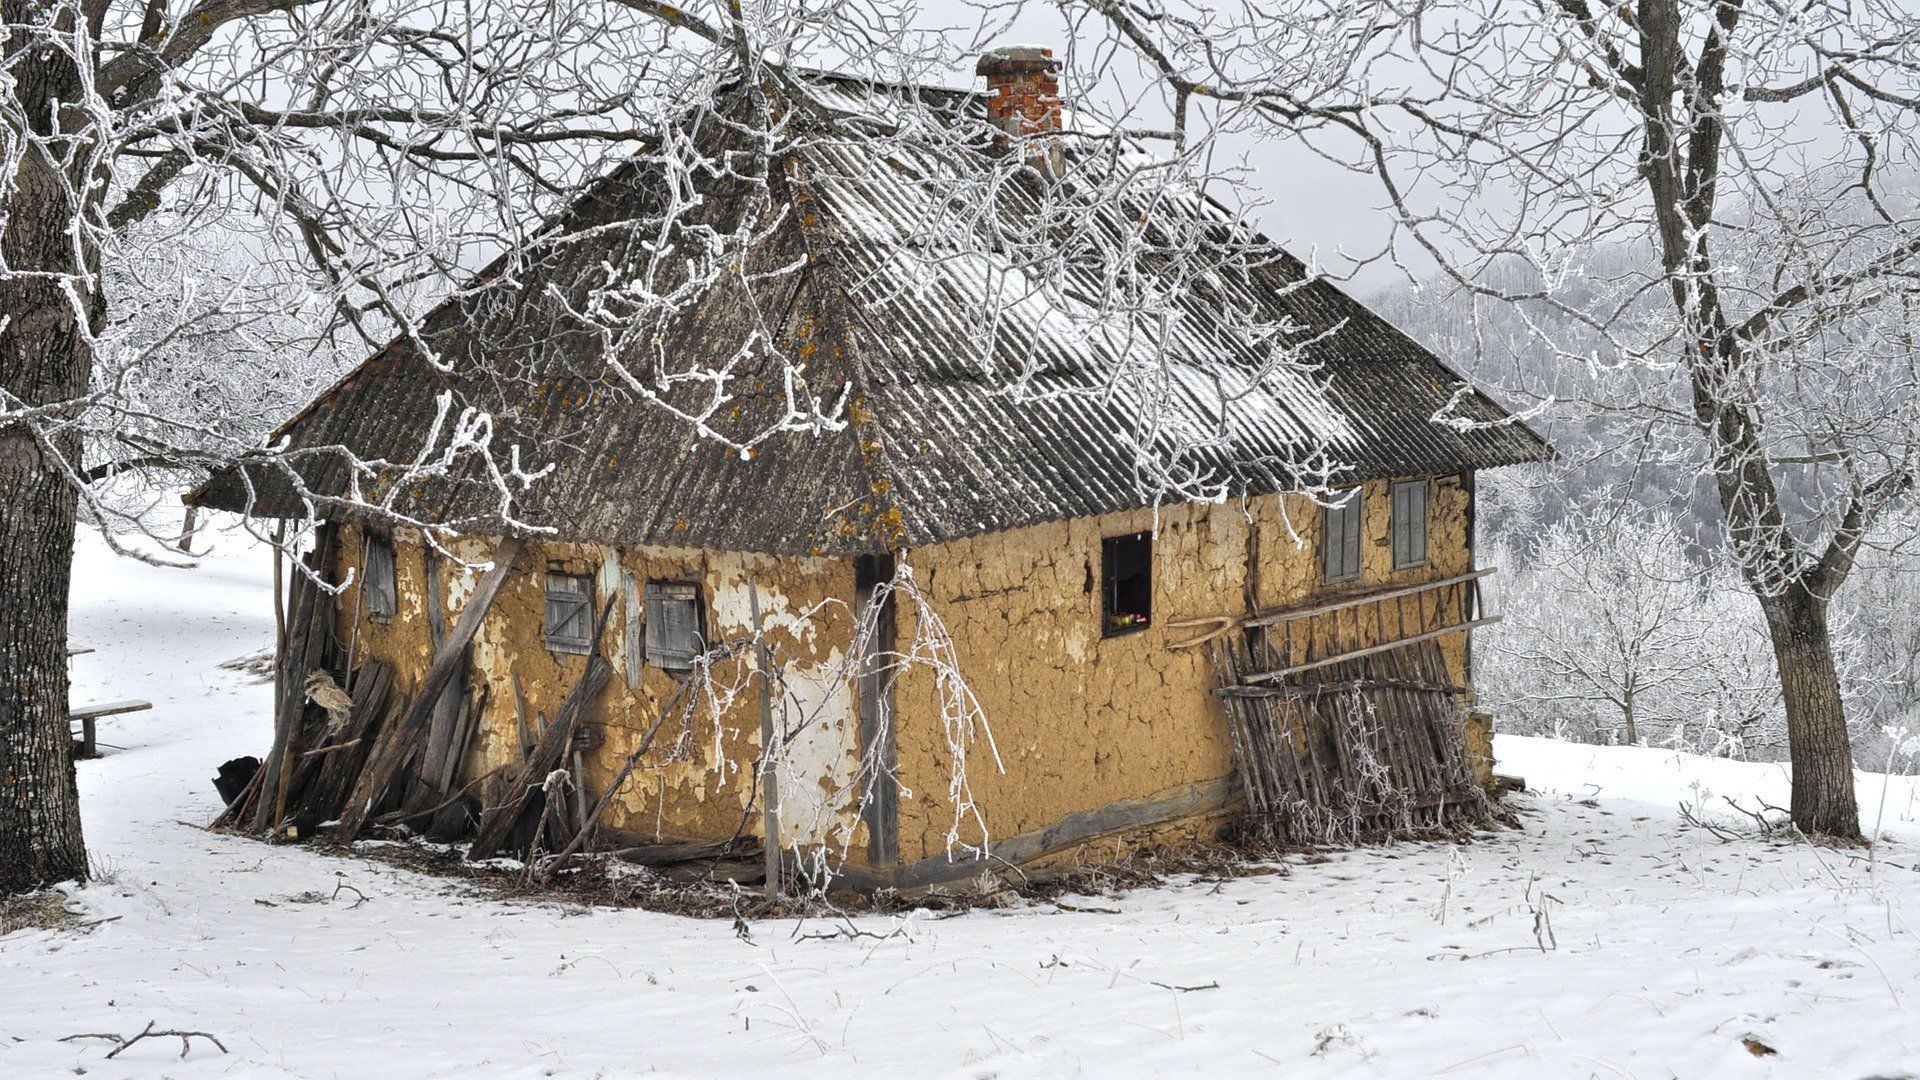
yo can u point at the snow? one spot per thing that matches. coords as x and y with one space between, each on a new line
1668 945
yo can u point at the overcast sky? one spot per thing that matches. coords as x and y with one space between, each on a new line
1315 208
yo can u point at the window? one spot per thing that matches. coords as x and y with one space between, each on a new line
378 592
1126 583
1340 528
673 625
1409 524
569 613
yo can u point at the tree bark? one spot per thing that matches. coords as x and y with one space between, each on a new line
40 841
47 296
1817 741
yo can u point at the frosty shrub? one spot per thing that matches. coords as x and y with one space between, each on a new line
1615 633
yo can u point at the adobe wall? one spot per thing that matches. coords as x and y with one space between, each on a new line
1096 734
1100 730
696 782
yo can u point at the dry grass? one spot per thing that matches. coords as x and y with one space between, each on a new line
701 890
607 883
42 910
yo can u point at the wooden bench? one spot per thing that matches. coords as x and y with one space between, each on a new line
88 745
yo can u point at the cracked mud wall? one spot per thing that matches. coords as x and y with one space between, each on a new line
696 782
1083 721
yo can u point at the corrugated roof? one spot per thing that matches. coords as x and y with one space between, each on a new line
976 394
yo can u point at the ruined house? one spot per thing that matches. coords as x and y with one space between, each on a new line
1134 667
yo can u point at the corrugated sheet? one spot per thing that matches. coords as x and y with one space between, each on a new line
981 398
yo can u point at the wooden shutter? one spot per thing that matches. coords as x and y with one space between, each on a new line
382 595
1355 530
1332 541
1409 523
673 625
1340 542
569 613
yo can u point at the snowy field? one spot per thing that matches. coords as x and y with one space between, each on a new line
1606 939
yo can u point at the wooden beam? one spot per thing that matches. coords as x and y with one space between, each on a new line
1220 625
1372 650
1337 688
769 745
879 755
1274 618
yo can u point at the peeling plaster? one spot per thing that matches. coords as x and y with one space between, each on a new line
1082 721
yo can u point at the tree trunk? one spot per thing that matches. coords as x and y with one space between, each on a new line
1817 742
39 804
45 358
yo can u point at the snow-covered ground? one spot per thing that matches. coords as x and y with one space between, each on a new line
1604 939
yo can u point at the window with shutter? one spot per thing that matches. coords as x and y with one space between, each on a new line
569 613
674 639
380 595
1409 524
1340 530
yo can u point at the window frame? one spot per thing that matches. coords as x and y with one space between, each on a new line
661 591
1400 520
1110 581
1352 536
380 586
582 644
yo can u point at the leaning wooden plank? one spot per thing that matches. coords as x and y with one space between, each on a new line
313 658
303 648
432 779
384 765
292 625
1281 673
591 819
498 820
327 793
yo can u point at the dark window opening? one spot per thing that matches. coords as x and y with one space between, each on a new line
674 639
1409 524
379 593
1126 583
569 613
1340 529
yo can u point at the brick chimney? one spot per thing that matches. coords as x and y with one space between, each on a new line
1023 100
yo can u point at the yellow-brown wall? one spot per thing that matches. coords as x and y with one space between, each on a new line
696 780
1084 721
1081 722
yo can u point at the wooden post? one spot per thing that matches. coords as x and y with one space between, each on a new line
769 744
880 808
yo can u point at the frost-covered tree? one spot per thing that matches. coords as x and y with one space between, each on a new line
1615 633
1759 155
